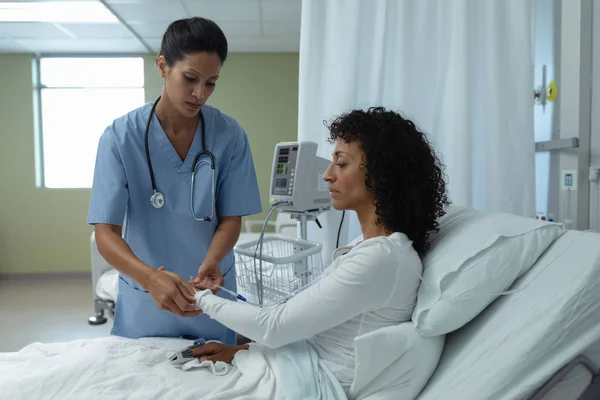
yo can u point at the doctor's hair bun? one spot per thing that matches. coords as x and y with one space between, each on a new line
403 173
192 35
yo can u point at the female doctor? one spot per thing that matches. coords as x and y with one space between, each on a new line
179 175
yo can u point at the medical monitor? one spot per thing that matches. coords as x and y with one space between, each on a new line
297 177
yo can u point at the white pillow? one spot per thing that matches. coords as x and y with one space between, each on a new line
473 257
394 362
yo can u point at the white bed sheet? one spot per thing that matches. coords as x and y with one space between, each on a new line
119 368
167 343
107 287
522 339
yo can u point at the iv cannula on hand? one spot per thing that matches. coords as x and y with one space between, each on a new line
231 292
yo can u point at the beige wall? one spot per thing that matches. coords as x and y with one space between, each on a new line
44 230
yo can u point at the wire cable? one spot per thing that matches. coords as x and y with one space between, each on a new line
258 251
337 242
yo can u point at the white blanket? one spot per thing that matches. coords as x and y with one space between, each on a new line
118 368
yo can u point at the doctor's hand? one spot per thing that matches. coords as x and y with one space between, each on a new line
171 293
209 275
217 352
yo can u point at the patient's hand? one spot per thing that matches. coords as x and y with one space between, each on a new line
206 283
217 352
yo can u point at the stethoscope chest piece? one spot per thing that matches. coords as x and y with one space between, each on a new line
157 200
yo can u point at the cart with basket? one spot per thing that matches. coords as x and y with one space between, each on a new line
274 269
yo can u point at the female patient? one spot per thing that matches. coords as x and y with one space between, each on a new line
384 169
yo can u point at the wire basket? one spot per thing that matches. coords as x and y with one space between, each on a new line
288 265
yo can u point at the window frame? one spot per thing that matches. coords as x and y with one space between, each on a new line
40 173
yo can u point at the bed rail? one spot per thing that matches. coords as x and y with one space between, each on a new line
592 390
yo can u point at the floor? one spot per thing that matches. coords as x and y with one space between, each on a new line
46 309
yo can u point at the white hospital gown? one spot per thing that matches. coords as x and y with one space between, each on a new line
373 286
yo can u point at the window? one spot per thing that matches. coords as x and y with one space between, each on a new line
77 98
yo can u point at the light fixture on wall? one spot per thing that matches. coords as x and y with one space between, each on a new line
56 11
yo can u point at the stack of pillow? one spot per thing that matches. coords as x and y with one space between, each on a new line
474 257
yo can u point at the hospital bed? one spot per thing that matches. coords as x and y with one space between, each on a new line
540 343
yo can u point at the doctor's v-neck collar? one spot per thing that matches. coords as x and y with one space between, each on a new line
157 132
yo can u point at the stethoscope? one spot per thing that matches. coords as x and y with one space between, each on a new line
158 199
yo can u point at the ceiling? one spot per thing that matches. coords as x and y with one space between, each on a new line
251 26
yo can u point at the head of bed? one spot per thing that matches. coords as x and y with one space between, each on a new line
505 303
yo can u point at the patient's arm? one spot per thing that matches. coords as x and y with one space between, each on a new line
364 280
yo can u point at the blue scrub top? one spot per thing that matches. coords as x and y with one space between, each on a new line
170 236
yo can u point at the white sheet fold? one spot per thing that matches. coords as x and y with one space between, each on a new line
217 368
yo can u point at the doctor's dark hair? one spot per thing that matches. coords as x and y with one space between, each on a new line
192 35
403 173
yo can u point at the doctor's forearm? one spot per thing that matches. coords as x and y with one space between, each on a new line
224 238
118 254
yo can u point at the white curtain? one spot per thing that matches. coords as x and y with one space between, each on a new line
462 70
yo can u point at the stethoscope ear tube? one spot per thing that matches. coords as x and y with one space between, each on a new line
158 199
149 161
212 204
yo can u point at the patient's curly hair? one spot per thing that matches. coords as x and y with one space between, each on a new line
403 173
